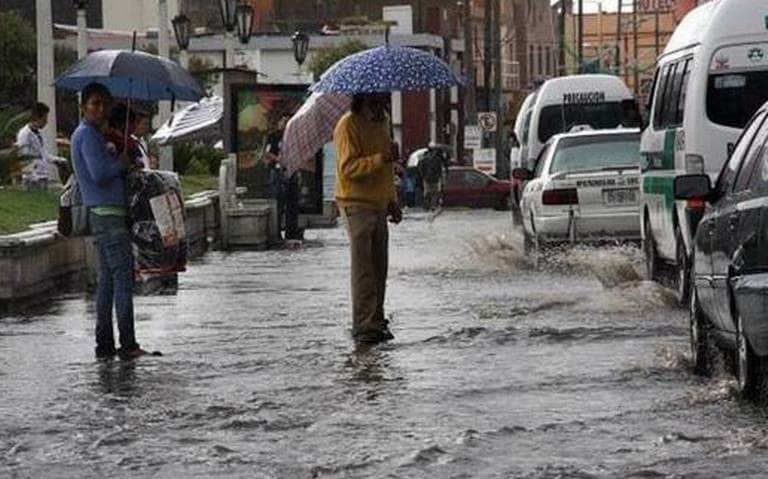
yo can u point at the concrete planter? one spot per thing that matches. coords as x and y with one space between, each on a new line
37 260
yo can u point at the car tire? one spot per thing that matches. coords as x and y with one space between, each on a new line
652 262
682 275
750 368
703 350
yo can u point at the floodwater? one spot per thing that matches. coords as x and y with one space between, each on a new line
575 369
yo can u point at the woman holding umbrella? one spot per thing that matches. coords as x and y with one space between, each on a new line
101 177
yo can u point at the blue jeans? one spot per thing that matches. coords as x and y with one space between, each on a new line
115 283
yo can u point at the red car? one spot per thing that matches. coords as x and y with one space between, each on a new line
467 186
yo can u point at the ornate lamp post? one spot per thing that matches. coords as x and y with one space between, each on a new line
181 26
82 32
300 46
229 20
244 14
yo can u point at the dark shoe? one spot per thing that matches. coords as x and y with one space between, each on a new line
131 354
374 337
105 353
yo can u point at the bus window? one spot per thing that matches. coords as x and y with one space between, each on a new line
672 95
732 98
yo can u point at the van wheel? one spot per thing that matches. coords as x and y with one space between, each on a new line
750 369
683 270
703 350
652 263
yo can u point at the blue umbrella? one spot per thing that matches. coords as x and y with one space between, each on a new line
135 75
385 69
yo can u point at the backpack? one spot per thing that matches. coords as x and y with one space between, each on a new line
73 214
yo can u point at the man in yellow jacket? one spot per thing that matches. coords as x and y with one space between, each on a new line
365 194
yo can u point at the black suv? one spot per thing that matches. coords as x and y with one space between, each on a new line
729 298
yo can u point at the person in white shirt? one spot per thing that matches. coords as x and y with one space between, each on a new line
29 141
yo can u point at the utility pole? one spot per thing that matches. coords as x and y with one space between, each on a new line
498 87
561 55
45 90
488 52
618 39
470 92
636 75
163 50
581 36
82 32
656 36
599 34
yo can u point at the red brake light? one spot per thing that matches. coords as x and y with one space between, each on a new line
696 204
564 196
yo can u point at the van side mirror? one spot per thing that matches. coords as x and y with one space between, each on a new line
693 187
522 174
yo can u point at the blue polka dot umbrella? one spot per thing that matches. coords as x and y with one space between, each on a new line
386 69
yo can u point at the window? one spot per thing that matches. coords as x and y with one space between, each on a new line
751 157
540 161
671 95
658 105
548 61
527 126
683 92
732 98
561 118
596 153
731 167
530 60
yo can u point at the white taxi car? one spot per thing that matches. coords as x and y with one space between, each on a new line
584 188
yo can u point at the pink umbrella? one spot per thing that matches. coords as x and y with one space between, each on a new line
310 128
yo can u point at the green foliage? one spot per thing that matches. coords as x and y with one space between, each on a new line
18 60
324 58
11 162
67 109
196 158
191 184
197 67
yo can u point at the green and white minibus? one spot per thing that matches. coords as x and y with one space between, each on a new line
710 79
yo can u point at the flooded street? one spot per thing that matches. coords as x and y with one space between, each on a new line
575 369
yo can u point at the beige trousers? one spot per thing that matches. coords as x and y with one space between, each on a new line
369 254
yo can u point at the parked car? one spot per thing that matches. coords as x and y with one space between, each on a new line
467 186
584 187
729 294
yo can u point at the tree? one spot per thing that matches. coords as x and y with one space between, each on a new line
199 67
324 58
18 60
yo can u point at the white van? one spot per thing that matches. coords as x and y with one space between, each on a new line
711 78
600 101
516 152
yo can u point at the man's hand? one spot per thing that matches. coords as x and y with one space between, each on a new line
394 212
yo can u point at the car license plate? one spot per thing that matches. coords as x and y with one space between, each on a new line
620 196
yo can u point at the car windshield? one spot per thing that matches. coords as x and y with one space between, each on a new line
600 116
595 153
732 98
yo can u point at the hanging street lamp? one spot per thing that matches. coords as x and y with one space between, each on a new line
300 46
244 14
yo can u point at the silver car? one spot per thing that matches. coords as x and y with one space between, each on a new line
584 187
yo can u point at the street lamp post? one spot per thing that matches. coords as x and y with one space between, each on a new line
181 26
300 46
82 32
228 8
244 14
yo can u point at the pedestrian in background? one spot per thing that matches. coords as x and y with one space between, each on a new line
365 193
29 141
101 177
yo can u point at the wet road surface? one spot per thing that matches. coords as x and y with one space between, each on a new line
576 369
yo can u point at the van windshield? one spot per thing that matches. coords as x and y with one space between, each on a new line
600 116
732 98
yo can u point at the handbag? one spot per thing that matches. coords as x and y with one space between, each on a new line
73 214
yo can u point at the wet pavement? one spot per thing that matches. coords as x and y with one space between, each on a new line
575 369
